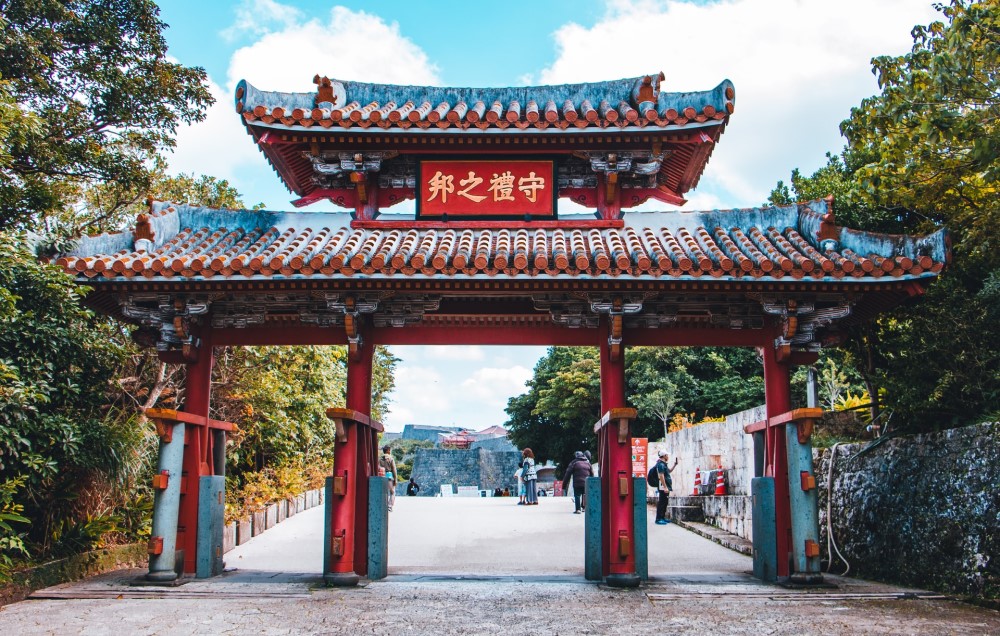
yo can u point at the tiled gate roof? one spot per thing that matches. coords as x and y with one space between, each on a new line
788 242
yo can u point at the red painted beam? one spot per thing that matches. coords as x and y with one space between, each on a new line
539 335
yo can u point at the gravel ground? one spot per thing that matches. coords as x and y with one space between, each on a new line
476 567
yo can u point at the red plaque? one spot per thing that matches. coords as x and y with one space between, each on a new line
487 189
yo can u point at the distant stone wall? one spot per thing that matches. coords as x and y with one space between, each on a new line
481 468
922 510
494 444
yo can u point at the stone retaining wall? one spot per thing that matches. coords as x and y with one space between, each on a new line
708 447
242 530
921 510
480 468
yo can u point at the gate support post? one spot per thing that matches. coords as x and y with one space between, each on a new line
165 545
615 454
345 551
778 400
785 487
197 449
804 500
166 504
593 516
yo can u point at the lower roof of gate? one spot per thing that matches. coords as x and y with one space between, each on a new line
781 244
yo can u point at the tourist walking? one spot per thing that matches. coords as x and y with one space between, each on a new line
412 488
387 466
577 472
666 484
530 477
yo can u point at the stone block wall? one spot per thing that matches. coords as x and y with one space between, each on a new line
709 446
921 510
481 468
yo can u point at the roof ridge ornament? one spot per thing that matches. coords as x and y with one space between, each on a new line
329 93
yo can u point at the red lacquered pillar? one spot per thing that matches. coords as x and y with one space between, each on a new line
618 529
340 568
778 397
197 449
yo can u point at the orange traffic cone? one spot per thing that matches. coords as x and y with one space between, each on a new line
697 482
720 484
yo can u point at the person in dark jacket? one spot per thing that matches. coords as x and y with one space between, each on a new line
666 485
577 471
412 488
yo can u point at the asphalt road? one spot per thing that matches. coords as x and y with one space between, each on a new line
485 566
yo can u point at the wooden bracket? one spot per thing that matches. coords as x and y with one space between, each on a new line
341 430
624 544
337 543
805 430
623 484
812 548
808 481
352 327
340 484
360 181
155 545
164 430
161 480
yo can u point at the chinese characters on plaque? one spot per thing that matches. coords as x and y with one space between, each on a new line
487 189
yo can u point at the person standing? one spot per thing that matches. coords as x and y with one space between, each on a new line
578 471
387 465
665 486
520 485
530 477
412 488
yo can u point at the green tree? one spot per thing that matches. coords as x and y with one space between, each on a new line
556 416
920 155
57 361
99 99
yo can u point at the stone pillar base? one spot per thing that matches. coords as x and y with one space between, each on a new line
341 579
623 580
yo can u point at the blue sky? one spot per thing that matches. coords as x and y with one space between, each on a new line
798 67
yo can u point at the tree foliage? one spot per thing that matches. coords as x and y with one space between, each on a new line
923 154
556 415
279 396
57 361
98 100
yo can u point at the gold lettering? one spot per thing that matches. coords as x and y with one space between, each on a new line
502 186
441 184
530 186
472 182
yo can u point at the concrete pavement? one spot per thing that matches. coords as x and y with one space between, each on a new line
485 566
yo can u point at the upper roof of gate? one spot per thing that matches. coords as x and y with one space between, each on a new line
295 129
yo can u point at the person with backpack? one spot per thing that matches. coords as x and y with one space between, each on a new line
578 470
387 467
659 478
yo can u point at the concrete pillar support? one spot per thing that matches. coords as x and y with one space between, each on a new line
166 507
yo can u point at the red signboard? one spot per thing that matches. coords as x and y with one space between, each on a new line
487 189
640 448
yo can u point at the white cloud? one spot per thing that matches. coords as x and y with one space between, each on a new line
493 386
288 51
255 18
348 46
217 146
798 67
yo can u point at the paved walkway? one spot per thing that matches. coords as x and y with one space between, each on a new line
485 566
